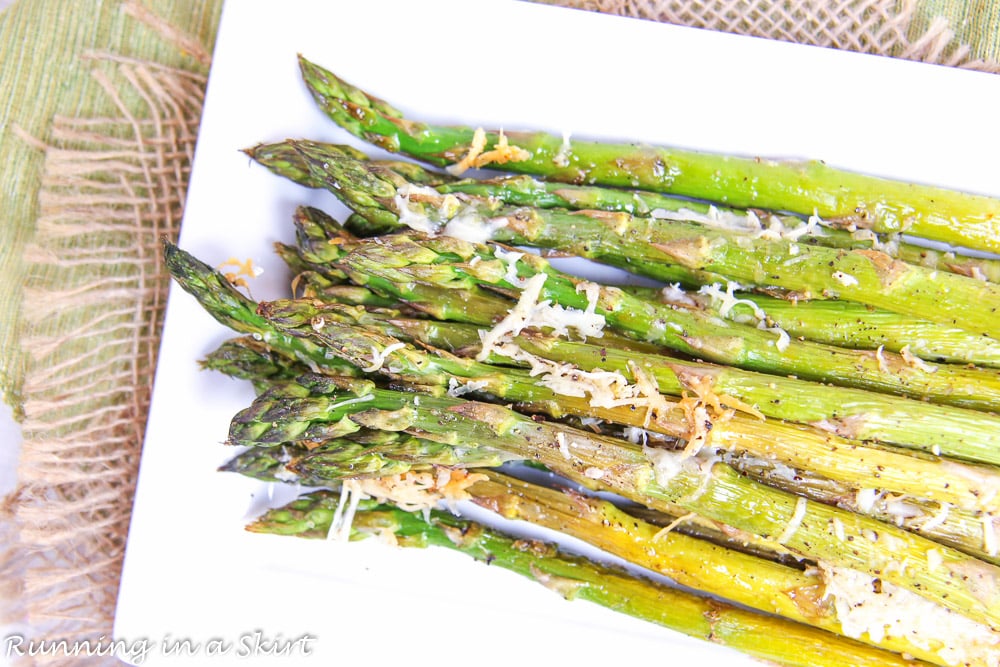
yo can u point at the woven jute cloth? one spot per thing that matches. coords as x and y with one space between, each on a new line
99 109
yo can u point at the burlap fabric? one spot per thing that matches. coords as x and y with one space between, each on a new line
99 110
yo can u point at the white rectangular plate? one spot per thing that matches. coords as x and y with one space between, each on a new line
191 572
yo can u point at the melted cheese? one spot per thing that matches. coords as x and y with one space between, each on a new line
883 610
674 294
471 227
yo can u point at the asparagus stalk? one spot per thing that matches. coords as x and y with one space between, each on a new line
962 485
232 309
520 190
841 323
841 197
527 191
346 459
956 527
749 580
965 530
776 640
631 246
850 413
247 358
397 263
651 248
972 532
282 159
268 464
665 480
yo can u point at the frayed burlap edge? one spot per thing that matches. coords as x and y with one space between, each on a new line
112 188
879 27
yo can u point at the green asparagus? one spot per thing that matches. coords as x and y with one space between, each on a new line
840 197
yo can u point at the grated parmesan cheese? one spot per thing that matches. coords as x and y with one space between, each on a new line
529 312
510 257
746 221
455 389
795 522
838 529
561 159
880 357
724 302
408 215
350 496
378 358
913 361
418 491
501 153
674 294
864 605
471 227
938 519
660 534
563 446
865 499
636 435
934 560
845 279
990 542
784 340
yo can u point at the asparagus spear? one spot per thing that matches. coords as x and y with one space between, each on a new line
959 528
527 191
956 527
282 159
250 359
776 640
564 390
651 248
663 480
268 464
972 532
523 190
850 413
841 197
742 578
627 245
398 264
841 323
231 308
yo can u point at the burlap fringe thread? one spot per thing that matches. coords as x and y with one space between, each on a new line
112 187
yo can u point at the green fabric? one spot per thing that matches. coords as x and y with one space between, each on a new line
42 74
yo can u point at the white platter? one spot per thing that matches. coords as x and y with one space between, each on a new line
191 572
